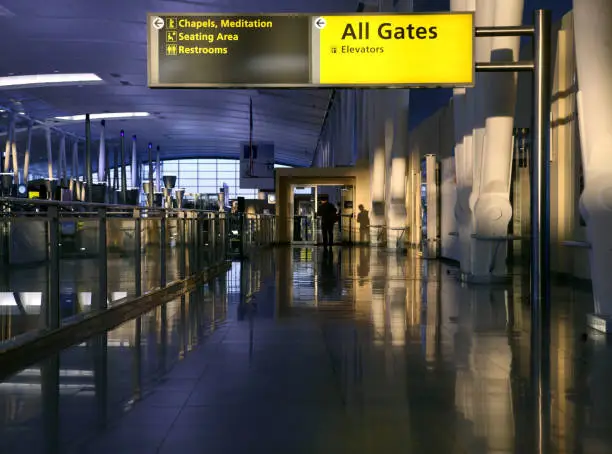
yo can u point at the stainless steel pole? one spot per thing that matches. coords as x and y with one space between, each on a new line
540 228
53 280
540 176
151 190
138 254
162 250
88 169
123 172
181 221
102 301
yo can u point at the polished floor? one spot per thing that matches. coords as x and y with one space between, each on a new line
24 289
298 351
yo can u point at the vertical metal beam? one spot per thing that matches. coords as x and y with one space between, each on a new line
102 301
136 348
181 221
540 228
151 190
158 173
123 172
50 377
88 168
53 281
115 168
162 250
138 254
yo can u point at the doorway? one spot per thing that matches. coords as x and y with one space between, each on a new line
306 201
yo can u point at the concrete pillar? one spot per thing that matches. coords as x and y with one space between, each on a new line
397 179
26 158
14 156
484 17
492 210
62 165
593 38
8 147
102 154
378 168
49 153
463 159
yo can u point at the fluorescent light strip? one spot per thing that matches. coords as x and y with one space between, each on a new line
105 116
48 79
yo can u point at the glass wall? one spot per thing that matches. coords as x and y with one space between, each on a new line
201 176
206 176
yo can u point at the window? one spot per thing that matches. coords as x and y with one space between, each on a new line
203 176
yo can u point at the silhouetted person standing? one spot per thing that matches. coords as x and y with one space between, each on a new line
327 213
363 219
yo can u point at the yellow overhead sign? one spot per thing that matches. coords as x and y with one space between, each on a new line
406 49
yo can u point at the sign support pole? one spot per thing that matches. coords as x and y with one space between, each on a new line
540 211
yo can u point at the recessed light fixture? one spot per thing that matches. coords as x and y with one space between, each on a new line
105 116
43 80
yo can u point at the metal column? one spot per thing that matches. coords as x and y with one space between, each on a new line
88 168
540 211
53 280
540 228
150 195
162 251
123 172
102 301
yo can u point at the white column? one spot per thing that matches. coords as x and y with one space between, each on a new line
62 159
593 38
49 154
484 17
463 159
492 210
348 126
14 155
74 169
102 154
397 179
157 173
134 163
7 145
26 158
377 166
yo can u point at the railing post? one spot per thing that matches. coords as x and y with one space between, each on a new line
138 253
182 248
193 248
102 301
53 280
162 250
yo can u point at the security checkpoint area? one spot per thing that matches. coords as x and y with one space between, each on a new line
345 226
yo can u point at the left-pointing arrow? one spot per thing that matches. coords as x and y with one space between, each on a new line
320 23
158 23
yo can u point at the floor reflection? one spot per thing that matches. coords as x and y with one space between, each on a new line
454 356
356 350
24 295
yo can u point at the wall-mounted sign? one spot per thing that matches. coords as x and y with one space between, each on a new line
290 50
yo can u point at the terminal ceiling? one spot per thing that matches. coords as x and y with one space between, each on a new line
108 38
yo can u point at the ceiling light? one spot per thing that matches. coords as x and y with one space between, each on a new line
42 80
104 116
